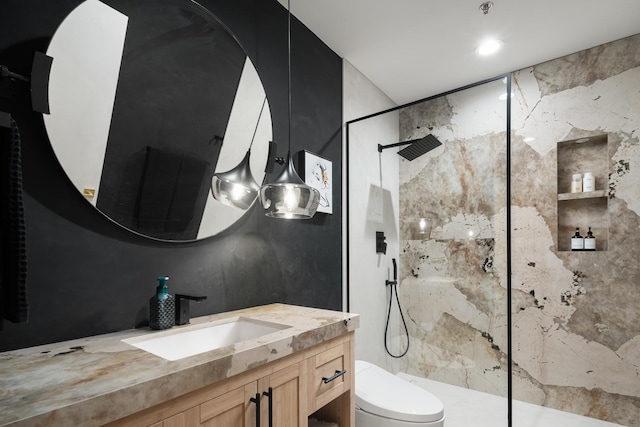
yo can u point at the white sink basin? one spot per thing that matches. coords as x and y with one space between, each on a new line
178 343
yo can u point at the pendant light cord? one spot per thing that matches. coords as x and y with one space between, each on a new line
264 101
289 68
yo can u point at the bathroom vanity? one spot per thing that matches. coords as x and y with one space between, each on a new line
302 368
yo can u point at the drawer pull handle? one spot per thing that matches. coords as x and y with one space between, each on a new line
256 400
338 374
269 394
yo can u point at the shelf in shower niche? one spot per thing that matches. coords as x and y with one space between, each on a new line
584 209
579 196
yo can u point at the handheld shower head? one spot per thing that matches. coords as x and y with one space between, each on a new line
395 274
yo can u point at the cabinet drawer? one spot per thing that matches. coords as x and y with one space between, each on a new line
330 375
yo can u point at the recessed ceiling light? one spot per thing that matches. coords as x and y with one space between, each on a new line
529 139
488 47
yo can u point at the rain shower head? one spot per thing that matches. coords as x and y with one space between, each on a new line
416 147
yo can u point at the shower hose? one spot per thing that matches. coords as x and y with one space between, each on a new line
393 283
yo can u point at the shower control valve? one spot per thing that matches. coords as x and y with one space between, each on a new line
381 245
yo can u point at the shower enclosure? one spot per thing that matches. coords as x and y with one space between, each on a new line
494 299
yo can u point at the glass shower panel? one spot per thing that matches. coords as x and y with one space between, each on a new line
443 209
452 211
575 323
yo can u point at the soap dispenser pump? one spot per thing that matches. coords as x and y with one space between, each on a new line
162 307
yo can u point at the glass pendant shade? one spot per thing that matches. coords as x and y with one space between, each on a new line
288 196
236 188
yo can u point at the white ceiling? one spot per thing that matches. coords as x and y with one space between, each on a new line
412 49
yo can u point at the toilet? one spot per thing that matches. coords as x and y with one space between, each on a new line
385 400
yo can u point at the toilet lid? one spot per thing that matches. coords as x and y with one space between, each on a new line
381 393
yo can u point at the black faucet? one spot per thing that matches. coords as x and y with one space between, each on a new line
182 307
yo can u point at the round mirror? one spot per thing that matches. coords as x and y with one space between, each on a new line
148 99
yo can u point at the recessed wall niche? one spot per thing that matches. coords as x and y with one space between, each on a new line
583 209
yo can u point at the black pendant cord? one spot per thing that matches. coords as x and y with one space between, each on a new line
255 131
289 68
394 283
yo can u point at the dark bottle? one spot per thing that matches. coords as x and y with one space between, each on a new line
590 241
577 241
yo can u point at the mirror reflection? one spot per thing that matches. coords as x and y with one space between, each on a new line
148 99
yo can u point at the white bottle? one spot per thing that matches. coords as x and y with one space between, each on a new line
588 182
576 183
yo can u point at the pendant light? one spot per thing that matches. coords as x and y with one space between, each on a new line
237 188
288 196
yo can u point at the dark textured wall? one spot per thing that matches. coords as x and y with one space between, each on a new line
89 276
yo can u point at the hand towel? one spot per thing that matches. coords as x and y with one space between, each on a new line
13 240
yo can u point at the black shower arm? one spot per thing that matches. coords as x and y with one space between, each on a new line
397 144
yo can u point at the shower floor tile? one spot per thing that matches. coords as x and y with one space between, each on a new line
470 408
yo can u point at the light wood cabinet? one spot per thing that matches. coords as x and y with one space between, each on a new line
316 380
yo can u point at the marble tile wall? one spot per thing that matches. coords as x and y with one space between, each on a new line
454 301
581 351
576 315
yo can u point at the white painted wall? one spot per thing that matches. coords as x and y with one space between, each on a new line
373 206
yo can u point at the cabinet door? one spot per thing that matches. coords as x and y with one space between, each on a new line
224 411
288 388
187 418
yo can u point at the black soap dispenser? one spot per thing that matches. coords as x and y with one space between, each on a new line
162 307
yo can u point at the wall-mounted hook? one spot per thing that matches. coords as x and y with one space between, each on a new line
5 72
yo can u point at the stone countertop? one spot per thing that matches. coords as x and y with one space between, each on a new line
95 380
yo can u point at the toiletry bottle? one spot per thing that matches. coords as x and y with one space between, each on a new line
162 307
588 182
577 241
590 241
576 183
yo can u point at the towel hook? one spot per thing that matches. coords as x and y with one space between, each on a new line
5 72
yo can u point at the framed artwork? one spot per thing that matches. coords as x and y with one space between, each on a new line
316 172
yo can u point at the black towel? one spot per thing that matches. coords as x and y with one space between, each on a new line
13 243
